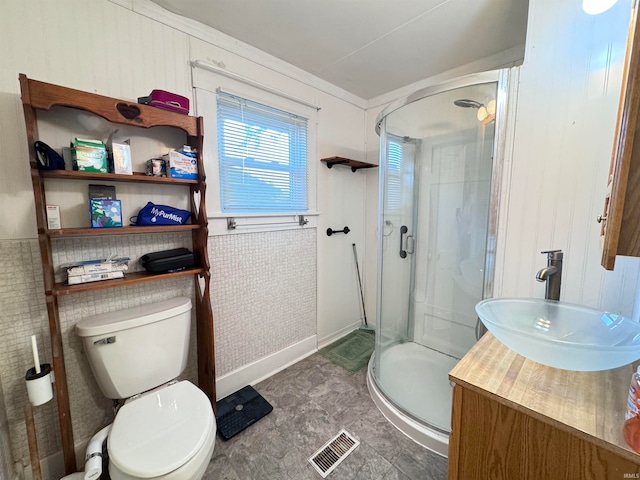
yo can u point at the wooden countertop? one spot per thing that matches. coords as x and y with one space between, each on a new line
590 405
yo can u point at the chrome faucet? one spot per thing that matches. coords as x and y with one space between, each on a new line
552 274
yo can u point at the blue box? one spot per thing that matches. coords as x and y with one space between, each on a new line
105 213
180 165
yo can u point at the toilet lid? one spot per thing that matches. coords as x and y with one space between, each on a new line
160 431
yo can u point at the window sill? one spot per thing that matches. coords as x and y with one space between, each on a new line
234 223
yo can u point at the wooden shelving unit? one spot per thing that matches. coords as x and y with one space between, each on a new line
347 162
43 96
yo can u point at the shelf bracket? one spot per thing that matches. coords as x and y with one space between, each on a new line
302 221
336 162
231 223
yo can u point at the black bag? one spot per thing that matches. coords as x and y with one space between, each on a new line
168 260
48 158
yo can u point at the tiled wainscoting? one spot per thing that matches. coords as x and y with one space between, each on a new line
263 295
22 304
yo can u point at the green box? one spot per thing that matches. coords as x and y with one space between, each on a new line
90 156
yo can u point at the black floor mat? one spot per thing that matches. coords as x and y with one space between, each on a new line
239 410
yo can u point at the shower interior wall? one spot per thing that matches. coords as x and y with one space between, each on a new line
448 287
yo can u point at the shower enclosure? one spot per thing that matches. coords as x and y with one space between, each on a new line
440 173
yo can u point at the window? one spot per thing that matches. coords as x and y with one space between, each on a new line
393 199
263 157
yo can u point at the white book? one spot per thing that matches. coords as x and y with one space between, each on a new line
93 277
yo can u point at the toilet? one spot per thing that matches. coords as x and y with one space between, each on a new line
166 429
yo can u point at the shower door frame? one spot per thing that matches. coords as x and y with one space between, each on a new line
504 79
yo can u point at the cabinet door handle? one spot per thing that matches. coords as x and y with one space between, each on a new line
601 218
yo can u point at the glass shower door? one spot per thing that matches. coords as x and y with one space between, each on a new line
435 192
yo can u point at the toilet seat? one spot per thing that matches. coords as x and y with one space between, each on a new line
160 431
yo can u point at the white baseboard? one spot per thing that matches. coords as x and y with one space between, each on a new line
329 339
265 367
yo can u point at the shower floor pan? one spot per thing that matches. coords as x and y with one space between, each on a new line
417 393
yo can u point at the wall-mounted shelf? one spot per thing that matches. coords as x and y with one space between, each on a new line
347 162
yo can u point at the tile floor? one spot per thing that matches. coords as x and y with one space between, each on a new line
312 400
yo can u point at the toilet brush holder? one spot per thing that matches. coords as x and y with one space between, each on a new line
39 388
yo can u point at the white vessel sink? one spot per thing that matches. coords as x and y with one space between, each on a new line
560 334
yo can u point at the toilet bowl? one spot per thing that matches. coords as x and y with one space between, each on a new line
168 432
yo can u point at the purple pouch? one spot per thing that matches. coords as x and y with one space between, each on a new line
167 101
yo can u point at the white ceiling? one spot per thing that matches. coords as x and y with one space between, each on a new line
367 47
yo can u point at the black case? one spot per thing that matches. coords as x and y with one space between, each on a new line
166 260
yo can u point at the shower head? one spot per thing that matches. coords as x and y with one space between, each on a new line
466 103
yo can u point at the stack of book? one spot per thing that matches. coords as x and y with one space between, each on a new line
95 270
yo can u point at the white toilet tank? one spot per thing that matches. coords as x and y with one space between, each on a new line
134 350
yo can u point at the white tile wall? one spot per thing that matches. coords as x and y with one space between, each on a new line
276 308
24 314
6 465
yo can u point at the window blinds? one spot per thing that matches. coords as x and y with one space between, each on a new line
393 198
263 157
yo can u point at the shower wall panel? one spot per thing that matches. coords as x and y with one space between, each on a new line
452 224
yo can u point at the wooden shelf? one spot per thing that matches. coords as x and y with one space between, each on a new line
130 278
114 177
43 96
347 162
79 232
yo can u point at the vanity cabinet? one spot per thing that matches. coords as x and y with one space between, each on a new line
39 96
514 418
620 221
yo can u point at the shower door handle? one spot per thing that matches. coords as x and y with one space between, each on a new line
403 230
411 244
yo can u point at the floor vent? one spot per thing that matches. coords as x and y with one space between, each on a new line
333 452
